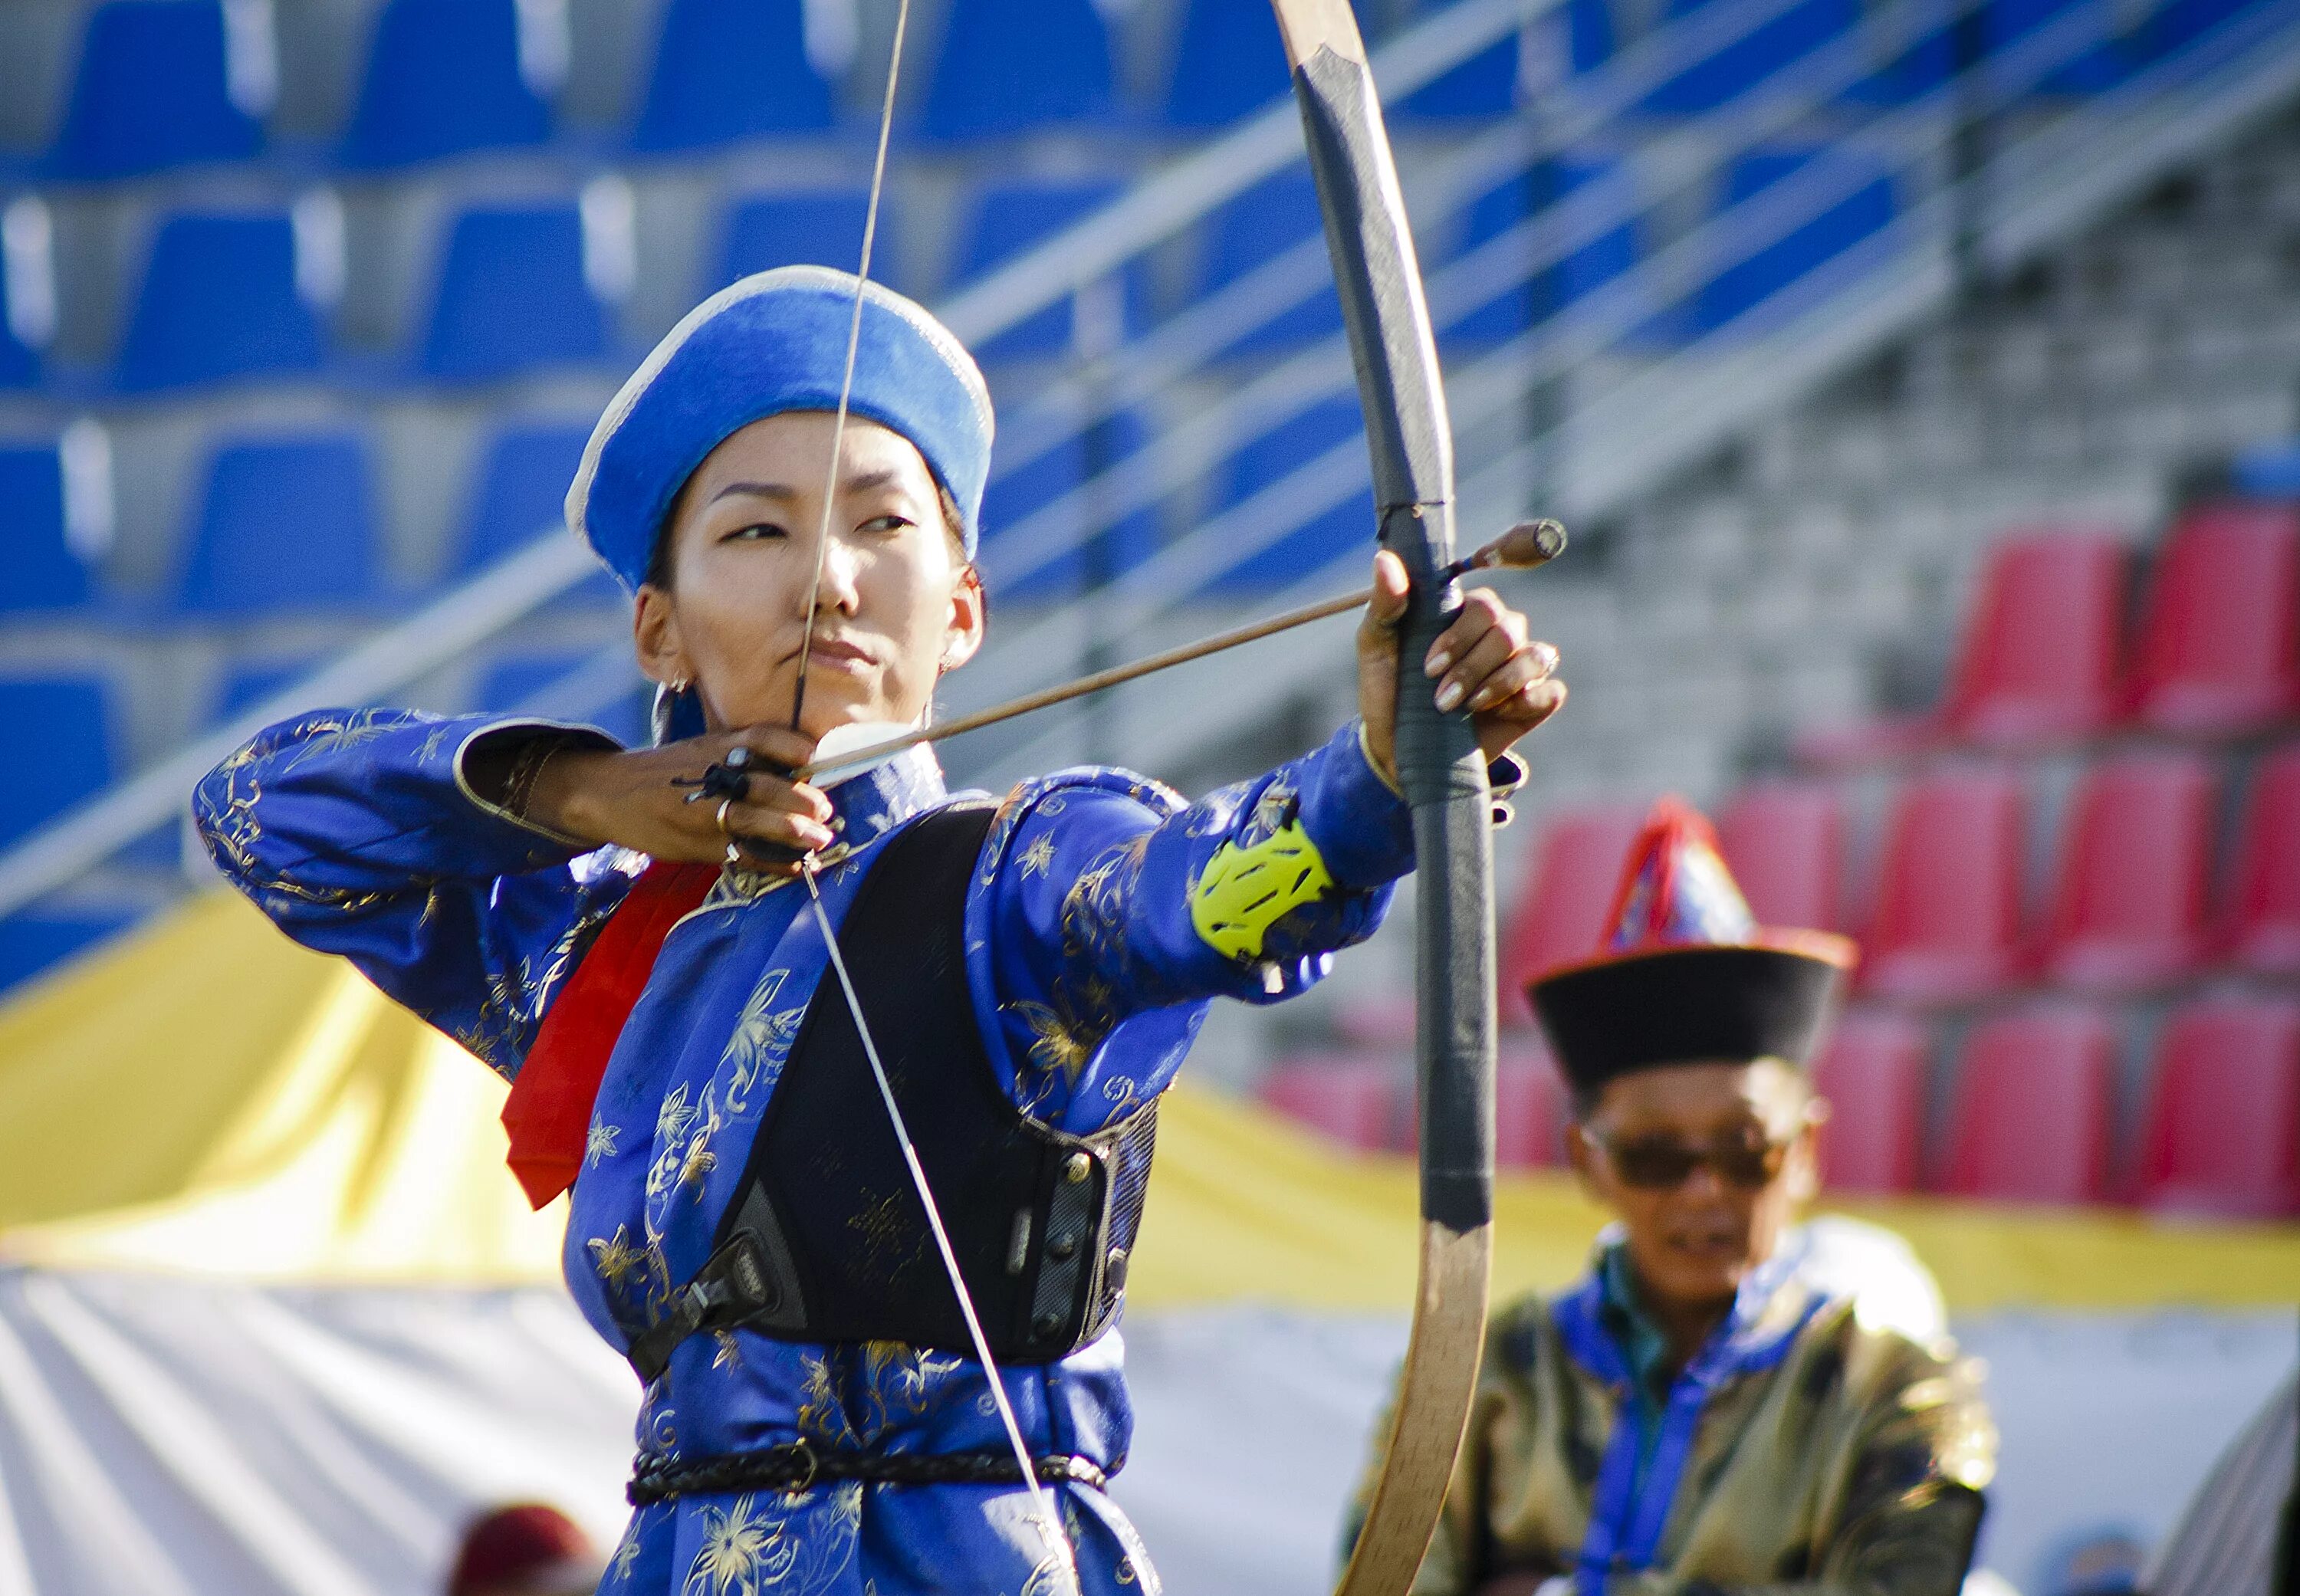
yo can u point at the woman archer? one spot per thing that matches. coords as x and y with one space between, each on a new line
652 972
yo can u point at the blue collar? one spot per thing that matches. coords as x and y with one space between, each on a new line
1630 1506
874 801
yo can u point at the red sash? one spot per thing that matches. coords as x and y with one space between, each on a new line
549 1112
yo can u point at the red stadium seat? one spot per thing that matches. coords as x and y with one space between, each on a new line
1948 927
1784 844
1561 913
2129 900
2222 1134
1348 1097
1529 1109
2033 1108
2219 637
1873 1072
2262 925
2038 662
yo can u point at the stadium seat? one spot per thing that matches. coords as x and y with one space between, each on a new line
1785 843
2267 470
2033 1110
1873 1072
1559 914
561 685
1228 60
1019 66
1267 219
1948 926
68 718
2222 1134
519 492
1014 496
444 76
1584 269
1771 46
2261 920
1355 1101
248 683
287 522
2038 662
512 295
151 90
2099 56
1531 1112
43 571
219 300
820 227
20 362
1329 534
1844 197
2220 633
2128 898
1482 88
1010 218
728 69
35 943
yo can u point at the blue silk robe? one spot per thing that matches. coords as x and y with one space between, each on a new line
1104 916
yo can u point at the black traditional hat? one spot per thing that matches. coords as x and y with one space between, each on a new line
1685 973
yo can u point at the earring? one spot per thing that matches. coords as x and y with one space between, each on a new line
682 684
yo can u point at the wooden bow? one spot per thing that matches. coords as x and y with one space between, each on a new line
1443 775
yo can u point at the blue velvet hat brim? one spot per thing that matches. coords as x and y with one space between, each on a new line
771 343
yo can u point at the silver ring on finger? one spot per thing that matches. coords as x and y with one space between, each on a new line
721 816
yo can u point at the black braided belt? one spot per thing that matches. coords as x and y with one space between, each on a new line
796 1466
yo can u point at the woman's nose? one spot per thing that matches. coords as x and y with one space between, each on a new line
840 586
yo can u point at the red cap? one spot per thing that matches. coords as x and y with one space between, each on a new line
516 1545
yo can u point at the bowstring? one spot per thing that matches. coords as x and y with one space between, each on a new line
853 344
1042 1507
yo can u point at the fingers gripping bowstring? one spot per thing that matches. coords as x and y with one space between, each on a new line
853 344
1042 1505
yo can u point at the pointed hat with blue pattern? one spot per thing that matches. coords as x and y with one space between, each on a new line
1685 974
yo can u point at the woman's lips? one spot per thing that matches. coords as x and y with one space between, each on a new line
830 653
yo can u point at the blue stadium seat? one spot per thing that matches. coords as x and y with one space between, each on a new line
1008 220
1014 496
43 571
820 227
219 300
68 719
1772 45
19 365
2267 470
287 522
150 91
726 69
1228 61
33 943
443 77
1347 529
248 683
1759 274
1268 218
512 295
520 490
1555 286
1015 66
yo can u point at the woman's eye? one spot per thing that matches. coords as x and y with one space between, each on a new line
886 524
755 532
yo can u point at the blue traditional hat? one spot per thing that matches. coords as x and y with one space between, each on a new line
771 343
1685 973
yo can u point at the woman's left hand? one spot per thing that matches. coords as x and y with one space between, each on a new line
1483 660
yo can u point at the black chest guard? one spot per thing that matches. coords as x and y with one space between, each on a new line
829 1241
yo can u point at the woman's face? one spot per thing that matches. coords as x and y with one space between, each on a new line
897 606
1694 1240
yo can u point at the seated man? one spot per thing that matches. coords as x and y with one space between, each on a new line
1704 1415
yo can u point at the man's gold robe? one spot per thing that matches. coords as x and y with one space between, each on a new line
1801 1452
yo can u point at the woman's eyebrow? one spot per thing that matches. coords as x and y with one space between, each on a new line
861 482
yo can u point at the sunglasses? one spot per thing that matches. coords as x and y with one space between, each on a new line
1662 1164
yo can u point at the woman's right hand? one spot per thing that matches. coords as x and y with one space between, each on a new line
633 798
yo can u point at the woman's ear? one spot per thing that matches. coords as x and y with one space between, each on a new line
1803 1173
1577 1159
655 635
970 611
